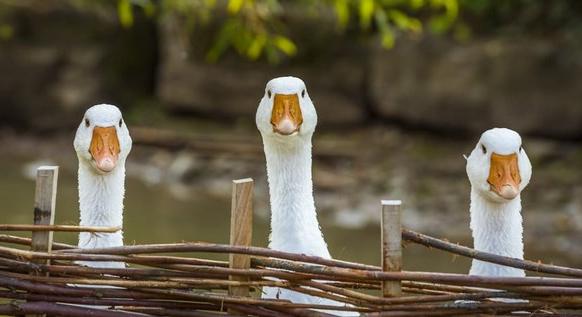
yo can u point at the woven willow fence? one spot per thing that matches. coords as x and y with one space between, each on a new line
39 276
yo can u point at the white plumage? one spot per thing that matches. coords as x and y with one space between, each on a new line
496 222
102 181
294 225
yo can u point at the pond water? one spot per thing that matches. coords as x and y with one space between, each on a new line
154 215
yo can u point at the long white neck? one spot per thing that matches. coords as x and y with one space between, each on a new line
497 228
101 204
294 225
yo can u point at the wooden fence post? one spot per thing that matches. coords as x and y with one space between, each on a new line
391 245
45 197
241 230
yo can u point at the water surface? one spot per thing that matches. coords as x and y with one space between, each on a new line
154 215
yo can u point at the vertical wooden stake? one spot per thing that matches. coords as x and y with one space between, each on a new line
45 197
241 230
391 245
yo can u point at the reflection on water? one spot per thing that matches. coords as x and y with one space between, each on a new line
154 215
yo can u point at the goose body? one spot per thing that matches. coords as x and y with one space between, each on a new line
102 143
286 119
498 170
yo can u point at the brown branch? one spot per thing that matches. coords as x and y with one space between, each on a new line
60 310
322 271
220 248
61 228
107 301
428 241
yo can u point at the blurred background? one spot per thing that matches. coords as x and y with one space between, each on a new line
403 88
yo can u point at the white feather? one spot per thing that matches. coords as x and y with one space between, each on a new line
294 225
496 223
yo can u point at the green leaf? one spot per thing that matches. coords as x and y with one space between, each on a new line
256 48
386 33
439 24
381 20
342 11
366 12
416 4
149 9
234 6
388 39
285 45
125 13
405 22
451 8
223 40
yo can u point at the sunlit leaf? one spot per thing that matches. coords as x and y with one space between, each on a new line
386 33
416 4
366 11
403 21
451 7
399 18
234 6
342 11
388 39
125 13
285 45
254 28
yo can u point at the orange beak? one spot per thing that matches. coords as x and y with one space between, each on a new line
504 175
286 116
104 148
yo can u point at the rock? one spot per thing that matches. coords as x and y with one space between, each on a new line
233 87
531 85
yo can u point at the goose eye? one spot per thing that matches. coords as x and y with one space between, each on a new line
520 148
87 123
269 93
120 122
303 93
484 149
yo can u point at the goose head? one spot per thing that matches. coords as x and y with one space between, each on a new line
102 141
286 112
498 167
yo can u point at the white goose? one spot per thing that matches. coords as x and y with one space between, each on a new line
286 119
498 169
102 144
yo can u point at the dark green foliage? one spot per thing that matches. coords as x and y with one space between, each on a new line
260 28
